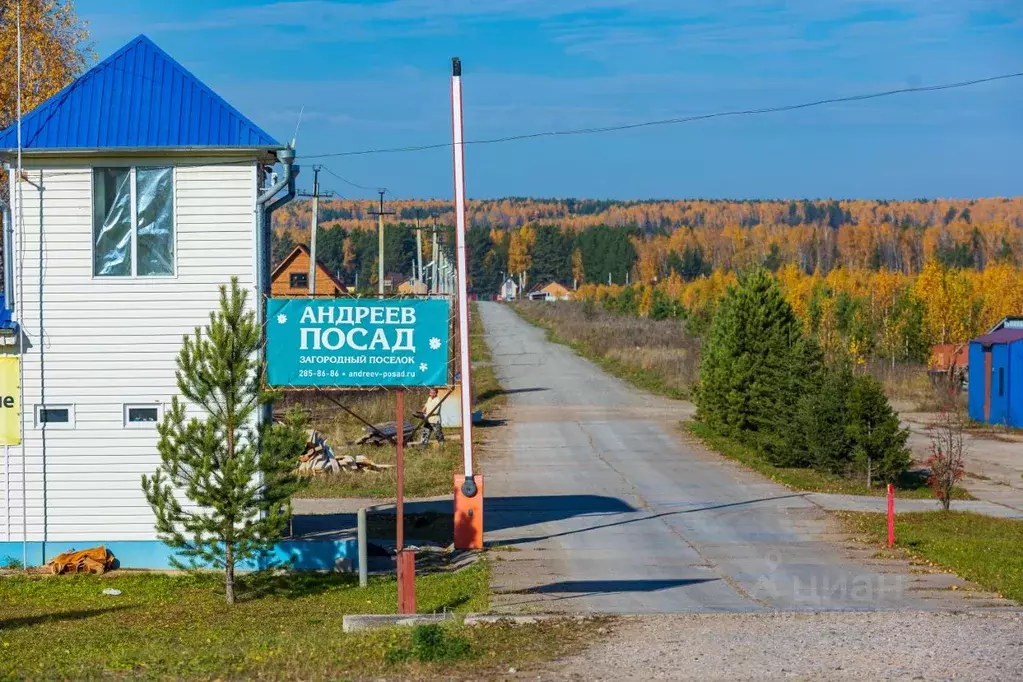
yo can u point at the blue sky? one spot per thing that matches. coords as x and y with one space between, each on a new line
376 74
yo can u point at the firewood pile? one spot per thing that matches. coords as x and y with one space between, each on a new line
319 459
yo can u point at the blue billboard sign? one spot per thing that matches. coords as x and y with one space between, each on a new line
356 342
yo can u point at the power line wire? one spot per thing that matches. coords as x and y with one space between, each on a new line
681 119
346 181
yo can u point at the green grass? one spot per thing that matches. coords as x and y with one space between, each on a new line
428 471
178 627
982 549
485 387
805 479
647 380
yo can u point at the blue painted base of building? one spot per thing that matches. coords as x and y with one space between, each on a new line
301 555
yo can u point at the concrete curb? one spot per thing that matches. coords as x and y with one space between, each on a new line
357 623
496 618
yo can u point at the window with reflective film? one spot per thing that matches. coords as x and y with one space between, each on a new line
133 222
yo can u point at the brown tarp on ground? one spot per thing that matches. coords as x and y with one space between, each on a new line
93 560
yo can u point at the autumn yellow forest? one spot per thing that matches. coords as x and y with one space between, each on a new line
813 235
882 279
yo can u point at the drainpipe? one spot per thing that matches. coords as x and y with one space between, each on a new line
266 204
8 242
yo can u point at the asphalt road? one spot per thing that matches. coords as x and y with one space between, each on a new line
604 505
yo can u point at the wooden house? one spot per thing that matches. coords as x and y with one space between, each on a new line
291 277
553 291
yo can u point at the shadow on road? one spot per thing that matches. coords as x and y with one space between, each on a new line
580 589
494 392
504 513
647 517
500 513
615 586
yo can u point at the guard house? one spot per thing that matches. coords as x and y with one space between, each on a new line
509 290
996 376
143 192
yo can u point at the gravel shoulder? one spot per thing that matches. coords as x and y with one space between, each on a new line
805 646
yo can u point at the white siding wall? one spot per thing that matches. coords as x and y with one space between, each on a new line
98 343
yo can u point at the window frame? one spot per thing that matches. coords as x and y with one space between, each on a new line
127 407
133 188
40 424
293 275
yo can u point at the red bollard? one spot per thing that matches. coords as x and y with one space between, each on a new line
891 515
406 582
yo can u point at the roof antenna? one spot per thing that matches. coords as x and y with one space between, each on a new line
297 126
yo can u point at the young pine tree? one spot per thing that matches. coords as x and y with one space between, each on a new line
878 441
239 481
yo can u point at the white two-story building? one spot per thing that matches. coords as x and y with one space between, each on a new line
143 191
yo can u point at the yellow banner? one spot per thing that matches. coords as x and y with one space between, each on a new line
10 406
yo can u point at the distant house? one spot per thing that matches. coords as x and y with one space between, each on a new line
550 292
291 277
412 287
1008 322
393 280
951 360
509 291
996 382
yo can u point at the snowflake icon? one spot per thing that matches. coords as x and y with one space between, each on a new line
423 367
282 318
434 343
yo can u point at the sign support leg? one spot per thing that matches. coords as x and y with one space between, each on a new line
406 559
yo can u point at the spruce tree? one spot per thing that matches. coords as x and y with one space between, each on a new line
879 442
822 419
747 365
238 481
788 442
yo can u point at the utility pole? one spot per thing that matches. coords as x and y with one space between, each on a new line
419 251
434 254
315 226
380 241
312 236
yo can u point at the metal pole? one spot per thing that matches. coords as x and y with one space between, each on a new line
18 215
434 254
469 487
380 246
363 549
400 434
891 515
312 237
419 250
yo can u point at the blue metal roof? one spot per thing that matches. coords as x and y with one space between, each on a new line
138 97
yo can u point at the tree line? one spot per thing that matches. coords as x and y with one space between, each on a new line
540 254
862 314
578 242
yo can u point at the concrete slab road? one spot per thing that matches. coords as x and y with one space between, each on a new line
604 506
